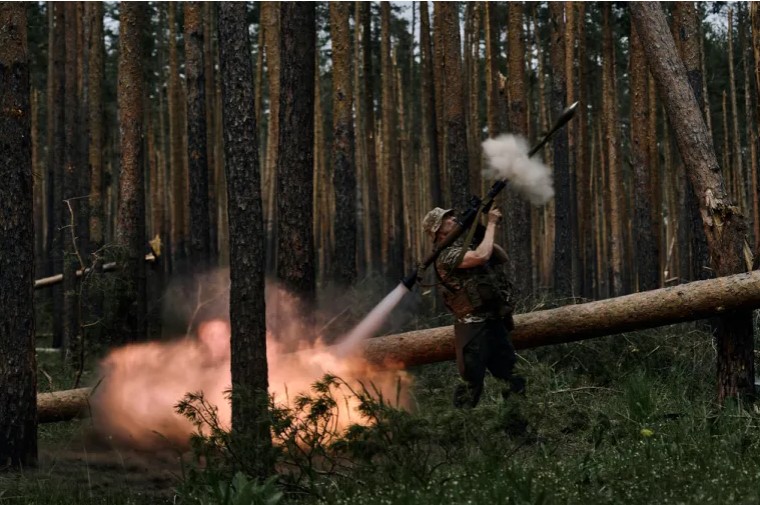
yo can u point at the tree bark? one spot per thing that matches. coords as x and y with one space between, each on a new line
250 419
200 227
570 323
95 154
178 198
647 245
70 201
686 21
270 23
130 231
344 166
453 106
563 242
724 225
610 120
56 138
393 222
18 414
517 209
295 163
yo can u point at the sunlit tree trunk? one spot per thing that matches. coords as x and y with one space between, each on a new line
130 230
724 225
18 384
250 416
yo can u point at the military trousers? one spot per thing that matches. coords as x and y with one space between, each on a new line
482 346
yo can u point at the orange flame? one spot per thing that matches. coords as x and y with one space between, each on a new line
134 403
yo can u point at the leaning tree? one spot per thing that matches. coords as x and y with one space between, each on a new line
723 223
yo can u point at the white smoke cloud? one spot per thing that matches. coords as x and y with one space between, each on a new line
507 157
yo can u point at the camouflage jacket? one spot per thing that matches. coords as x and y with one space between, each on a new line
481 292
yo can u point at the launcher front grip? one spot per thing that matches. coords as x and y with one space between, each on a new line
468 218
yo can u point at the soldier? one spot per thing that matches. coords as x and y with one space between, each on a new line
477 292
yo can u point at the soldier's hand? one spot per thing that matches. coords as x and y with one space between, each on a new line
494 216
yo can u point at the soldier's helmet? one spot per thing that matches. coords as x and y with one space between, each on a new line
433 220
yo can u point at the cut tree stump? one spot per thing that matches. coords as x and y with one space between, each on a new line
659 307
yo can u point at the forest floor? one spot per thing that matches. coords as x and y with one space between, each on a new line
622 419
77 466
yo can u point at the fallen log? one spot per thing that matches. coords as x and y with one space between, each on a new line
62 405
686 302
638 311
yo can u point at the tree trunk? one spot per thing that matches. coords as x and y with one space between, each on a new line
18 384
647 246
295 164
453 106
724 225
428 116
344 166
517 209
70 201
270 23
200 228
741 196
214 167
754 10
610 119
130 231
686 21
563 242
638 311
176 164
95 154
250 419
394 203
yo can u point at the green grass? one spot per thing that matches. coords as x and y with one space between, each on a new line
626 419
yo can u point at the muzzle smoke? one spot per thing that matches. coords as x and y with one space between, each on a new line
507 157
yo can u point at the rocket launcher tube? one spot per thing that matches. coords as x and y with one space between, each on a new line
477 205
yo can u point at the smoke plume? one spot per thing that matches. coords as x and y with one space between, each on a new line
507 157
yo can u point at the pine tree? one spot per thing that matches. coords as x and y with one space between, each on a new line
250 418
344 168
724 226
198 172
130 225
18 384
295 159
